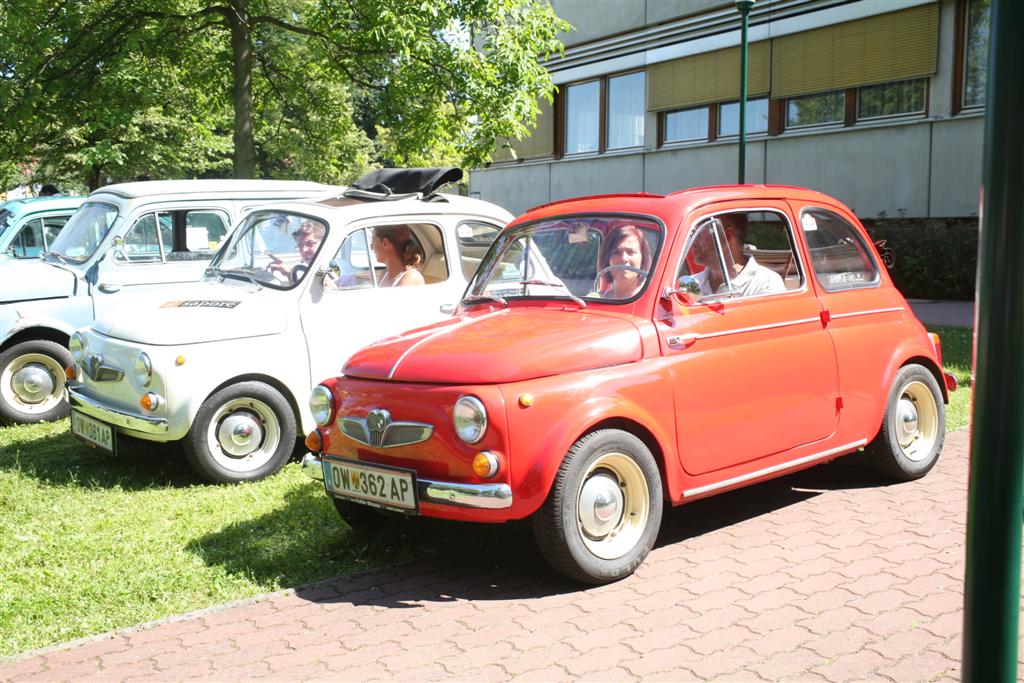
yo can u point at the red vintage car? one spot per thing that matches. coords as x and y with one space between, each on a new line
618 352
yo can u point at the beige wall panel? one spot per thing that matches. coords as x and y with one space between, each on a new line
659 11
592 19
597 176
679 169
514 188
871 170
956 166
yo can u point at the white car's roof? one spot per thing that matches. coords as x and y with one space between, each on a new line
223 188
337 206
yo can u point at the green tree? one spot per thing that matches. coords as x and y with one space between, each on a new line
152 87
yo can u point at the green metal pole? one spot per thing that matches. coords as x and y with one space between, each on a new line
994 502
744 7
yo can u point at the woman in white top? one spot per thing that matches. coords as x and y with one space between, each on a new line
396 248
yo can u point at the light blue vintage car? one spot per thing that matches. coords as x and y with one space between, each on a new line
127 238
28 226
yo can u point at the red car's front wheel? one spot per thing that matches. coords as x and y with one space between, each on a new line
604 509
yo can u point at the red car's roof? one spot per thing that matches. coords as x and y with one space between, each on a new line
668 206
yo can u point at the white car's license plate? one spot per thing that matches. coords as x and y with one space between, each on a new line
386 487
92 431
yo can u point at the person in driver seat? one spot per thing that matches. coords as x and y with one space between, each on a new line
625 247
308 237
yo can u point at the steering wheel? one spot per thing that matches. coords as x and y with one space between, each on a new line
617 266
298 270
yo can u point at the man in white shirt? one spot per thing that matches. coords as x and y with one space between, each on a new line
747 277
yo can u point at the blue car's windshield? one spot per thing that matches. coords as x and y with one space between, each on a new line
84 232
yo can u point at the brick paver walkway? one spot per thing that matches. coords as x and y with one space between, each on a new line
823 575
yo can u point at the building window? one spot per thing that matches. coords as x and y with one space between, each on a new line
816 110
684 125
757 117
979 13
626 111
582 117
891 99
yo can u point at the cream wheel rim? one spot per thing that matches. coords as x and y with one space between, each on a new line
612 506
917 421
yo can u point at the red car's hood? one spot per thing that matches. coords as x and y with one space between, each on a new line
509 345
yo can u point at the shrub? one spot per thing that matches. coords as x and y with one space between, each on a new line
936 258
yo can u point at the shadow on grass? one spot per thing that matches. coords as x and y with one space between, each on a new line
405 562
59 459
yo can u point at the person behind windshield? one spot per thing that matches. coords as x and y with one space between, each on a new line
624 245
748 277
398 250
308 237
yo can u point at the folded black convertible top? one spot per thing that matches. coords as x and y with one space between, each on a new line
425 181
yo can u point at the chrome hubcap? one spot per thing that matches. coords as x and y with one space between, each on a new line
600 505
33 384
612 506
906 421
240 434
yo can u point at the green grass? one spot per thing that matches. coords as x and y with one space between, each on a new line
90 543
956 359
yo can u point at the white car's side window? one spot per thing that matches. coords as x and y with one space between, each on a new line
353 259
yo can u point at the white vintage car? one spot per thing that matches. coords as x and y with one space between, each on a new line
125 238
225 365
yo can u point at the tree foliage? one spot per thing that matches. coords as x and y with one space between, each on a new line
319 89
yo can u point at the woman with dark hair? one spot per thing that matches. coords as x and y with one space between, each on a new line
397 248
626 247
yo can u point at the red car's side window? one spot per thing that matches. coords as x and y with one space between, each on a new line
741 253
839 256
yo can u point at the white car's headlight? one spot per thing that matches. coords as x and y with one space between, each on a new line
77 346
321 404
470 419
143 369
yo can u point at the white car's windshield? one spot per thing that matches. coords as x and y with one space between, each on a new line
270 248
601 258
84 232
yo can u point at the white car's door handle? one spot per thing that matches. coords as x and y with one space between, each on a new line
110 287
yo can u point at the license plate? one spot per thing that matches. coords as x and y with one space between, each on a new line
387 487
92 432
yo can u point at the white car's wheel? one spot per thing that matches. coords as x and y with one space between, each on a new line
32 382
243 432
604 509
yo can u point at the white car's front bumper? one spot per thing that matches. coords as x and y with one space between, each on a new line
130 423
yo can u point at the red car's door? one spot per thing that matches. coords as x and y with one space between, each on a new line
753 369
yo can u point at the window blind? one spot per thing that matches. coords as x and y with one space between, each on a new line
707 77
886 47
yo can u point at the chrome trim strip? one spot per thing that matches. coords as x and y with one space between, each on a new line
118 418
834 316
490 496
756 328
437 333
774 468
313 467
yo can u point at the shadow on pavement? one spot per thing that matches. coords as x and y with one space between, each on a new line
403 562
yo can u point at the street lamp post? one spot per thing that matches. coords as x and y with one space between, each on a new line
744 7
